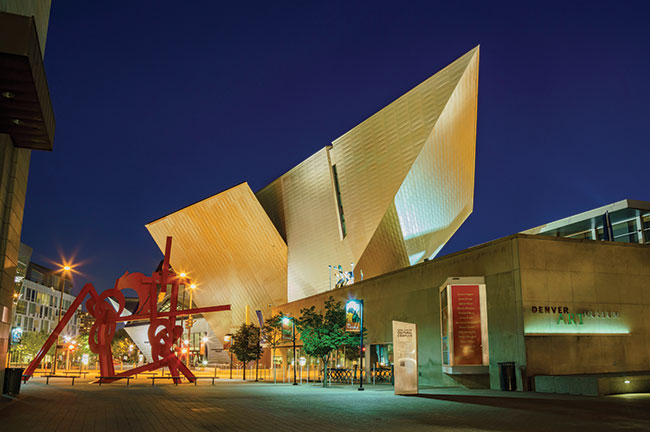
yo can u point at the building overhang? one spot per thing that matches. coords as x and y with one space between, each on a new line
26 113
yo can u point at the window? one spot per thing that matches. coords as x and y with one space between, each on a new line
339 204
36 276
21 308
581 235
625 232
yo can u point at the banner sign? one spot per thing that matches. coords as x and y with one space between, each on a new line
405 349
260 318
287 329
466 325
16 335
353 311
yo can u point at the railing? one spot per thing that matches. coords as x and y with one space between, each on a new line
350 376
283 374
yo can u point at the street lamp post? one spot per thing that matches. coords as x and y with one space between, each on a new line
65 269
228 338
361 352
293 321
257 362
190 323
293 334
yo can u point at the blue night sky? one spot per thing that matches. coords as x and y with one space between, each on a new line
158 106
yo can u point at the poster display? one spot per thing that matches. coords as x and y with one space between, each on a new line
286 329
466 325
405 349
353 311
463 326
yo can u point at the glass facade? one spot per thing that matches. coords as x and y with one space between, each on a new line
646 228
38 309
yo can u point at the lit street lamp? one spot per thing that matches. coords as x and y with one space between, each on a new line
228 338
189 322
65 269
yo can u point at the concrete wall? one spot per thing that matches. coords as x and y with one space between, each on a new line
14 168
412 295
585 275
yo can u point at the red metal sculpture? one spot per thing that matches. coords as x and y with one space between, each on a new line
163 331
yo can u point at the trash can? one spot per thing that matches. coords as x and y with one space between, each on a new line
507 376
13 377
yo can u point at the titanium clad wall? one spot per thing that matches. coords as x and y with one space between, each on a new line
383 165
386 250
311 221
438 192
230 248
374 158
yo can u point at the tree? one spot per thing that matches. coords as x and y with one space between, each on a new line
272 332
246 344
84 348
30 344
122 346
323 332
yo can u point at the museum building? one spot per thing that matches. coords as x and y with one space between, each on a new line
365 218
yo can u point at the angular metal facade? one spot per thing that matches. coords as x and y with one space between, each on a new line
406 182
387 194
230 248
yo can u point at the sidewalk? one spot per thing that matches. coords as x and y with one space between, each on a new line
236 406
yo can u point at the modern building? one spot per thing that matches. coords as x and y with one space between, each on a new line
623 221
85 322
37 306
26 124
569 315
386 195
365 217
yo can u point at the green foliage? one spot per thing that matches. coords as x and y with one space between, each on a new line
122 346
82 347
30 344
246 343
324 332
272 330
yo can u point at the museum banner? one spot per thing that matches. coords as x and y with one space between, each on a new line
405 349
353 311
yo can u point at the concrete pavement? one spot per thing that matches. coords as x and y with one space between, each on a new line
238 406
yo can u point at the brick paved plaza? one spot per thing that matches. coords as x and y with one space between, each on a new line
237 406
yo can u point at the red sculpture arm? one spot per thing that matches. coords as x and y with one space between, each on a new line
87 289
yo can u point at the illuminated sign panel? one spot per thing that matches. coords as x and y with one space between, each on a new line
353 311
463 325
545 318
466 324
405 346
